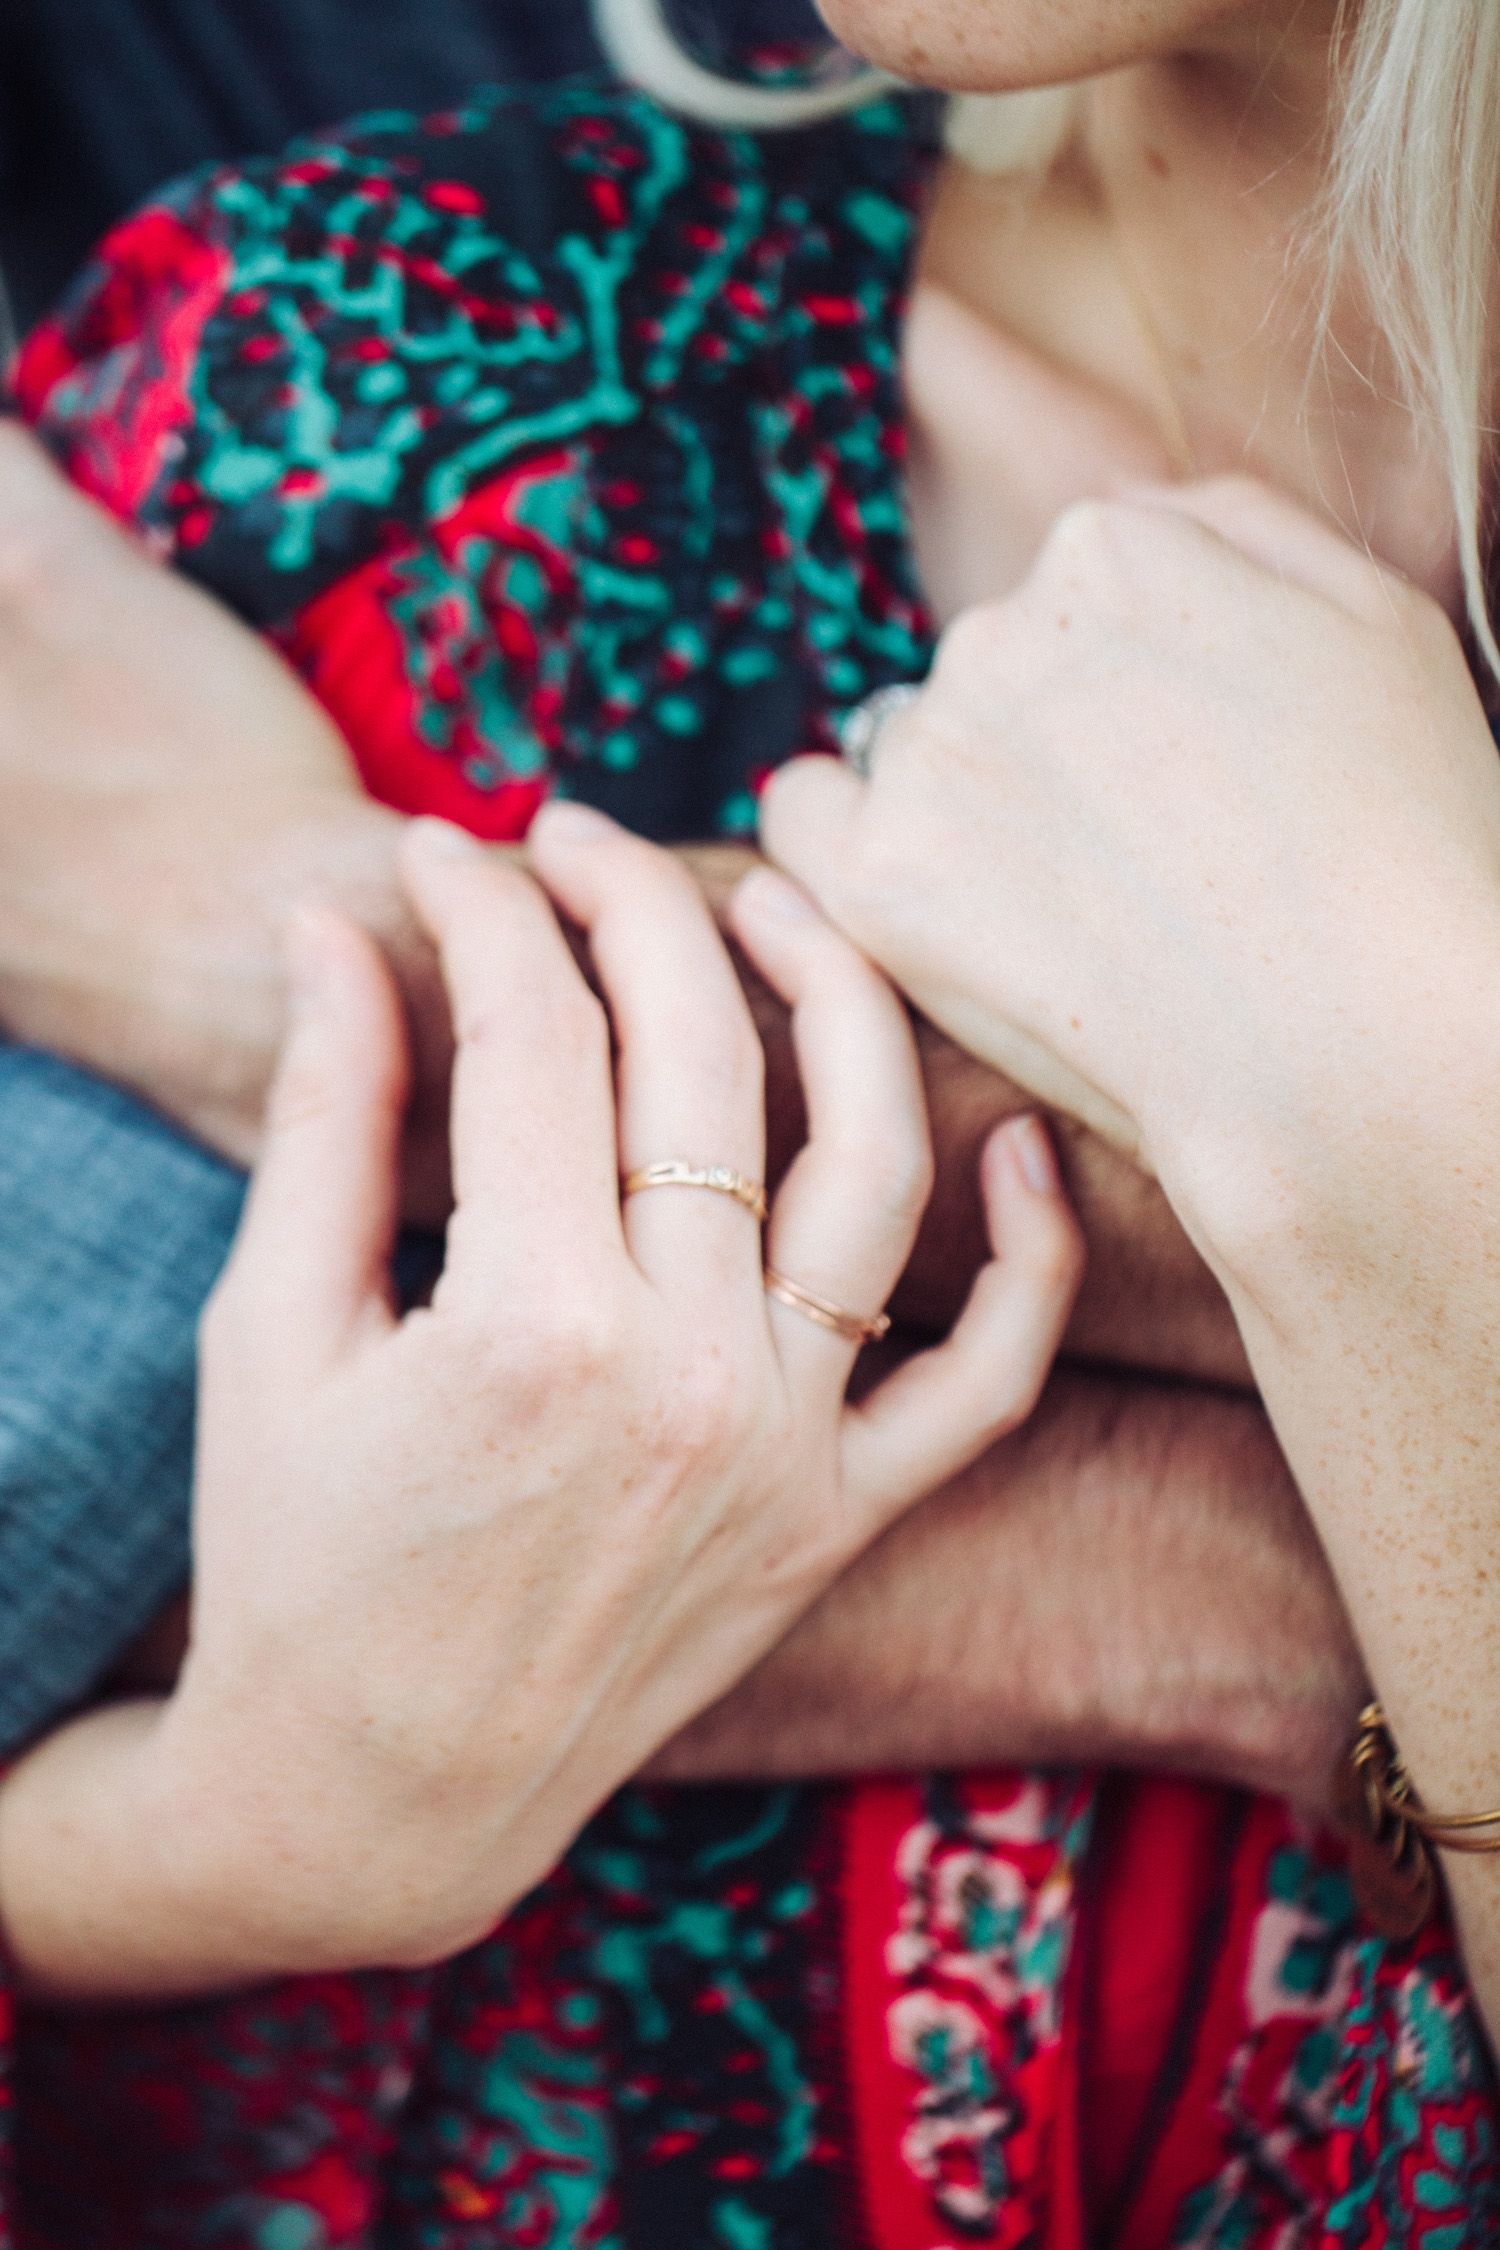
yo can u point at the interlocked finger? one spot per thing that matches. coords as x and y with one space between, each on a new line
689 1075
941 1410
533 1113
845 1219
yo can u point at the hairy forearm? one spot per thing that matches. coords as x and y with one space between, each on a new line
1130 1579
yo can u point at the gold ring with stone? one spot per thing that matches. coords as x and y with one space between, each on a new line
859 730
675 1171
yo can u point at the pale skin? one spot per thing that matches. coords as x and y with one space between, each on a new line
186 1005
440 1611
1217 815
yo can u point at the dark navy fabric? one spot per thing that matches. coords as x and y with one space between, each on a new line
102 100
113 1228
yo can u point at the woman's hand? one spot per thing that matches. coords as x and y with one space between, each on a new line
1154 807
1205 825
458 1575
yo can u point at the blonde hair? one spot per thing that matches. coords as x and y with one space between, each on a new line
1412 206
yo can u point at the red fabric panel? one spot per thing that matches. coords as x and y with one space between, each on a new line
898 2214
1153 1869
381 685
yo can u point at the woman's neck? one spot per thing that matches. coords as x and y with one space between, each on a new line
1168 266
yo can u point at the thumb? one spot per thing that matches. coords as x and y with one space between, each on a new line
808 811
309 1264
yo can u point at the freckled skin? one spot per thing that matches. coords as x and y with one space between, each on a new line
992 45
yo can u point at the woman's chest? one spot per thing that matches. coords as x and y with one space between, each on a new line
1040 369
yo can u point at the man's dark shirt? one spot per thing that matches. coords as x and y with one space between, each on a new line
102 100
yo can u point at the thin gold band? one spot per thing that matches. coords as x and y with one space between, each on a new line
1387 1784
855 1328
677 1172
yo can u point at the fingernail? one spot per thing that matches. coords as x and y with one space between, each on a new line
766 892
443 839
577 824
1032 1145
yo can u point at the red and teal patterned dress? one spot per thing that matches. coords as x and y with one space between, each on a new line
559 446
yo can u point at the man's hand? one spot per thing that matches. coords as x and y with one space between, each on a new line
169 793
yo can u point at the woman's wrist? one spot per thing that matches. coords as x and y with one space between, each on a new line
230 1857
1361 1164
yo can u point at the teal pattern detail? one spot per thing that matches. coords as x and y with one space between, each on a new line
684 343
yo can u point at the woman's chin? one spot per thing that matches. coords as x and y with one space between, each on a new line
981 47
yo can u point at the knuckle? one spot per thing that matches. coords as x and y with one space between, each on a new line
543 1358
1097 547
728 1058
895 1171
1083 533
304 1095
868 893
568 1017
972 642
1057 1258
576 1340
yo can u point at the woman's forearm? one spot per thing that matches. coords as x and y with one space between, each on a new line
1370 1296
1131 1578
116 1885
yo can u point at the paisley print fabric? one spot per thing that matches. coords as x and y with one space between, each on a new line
559 445
555 441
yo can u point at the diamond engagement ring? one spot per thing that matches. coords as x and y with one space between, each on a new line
859 729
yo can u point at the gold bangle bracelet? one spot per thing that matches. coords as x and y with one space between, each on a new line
1380 1766
1390 1833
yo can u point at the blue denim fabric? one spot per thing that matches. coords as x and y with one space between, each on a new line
113 1228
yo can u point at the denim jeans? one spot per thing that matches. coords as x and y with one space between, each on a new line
113 1228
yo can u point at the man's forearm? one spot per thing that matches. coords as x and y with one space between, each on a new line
1130 1579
